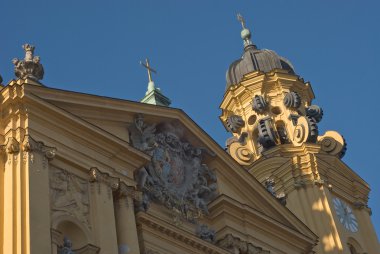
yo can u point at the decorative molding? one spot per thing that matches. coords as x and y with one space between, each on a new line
148 251
241 153
292 100
205 233
299 183
10 150
87 249
69 195
333 143
176 176
319 182
180 235
56 236
97 176
12 146
123 192
236 245
30 146
269 185
234 123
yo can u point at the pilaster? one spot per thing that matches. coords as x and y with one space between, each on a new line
102 187
36 157
14 238
127 238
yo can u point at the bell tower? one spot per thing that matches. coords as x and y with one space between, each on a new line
268 109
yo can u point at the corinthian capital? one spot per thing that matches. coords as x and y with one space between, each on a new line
97 176
30 145
127 191
12 146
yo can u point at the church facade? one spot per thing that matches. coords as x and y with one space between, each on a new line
82 173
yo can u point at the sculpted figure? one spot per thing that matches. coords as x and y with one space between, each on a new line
175 177
66 248
69 195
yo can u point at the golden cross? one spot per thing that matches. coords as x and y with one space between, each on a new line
241 19
150 69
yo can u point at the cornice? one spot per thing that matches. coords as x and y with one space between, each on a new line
13 90
75 125
97 176
120 188
246 215
30 145
253 82
176 234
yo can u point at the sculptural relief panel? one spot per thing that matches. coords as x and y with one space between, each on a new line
69 195
176 176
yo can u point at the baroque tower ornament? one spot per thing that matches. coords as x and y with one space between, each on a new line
30 67
176 176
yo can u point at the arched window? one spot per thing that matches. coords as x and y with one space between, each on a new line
352 249
354 246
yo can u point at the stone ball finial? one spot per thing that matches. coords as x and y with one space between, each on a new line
30 67
245 34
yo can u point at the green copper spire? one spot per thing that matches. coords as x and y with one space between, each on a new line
153 95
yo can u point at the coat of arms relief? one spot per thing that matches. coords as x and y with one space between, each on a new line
176 176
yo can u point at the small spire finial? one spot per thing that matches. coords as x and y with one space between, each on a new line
150 69
241 19
153 95
245 33
151 85
30 67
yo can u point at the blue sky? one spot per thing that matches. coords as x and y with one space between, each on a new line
95 47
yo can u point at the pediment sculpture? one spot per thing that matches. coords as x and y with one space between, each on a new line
176 176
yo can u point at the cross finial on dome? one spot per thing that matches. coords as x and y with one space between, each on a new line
241 19
245 33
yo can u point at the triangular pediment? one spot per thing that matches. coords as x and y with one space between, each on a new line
115 118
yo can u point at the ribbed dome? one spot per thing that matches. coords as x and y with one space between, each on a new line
254 59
